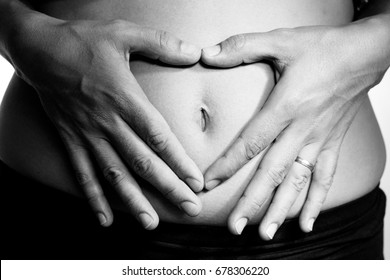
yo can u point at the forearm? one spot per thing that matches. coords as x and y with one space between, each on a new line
17 20
12 15
377 11
374 28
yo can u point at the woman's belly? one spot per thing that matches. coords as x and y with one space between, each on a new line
206 108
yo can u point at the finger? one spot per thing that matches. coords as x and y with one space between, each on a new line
271 172
319 188
88 181
260 132
146 164
162 45
156 133
325 171
118 177
247 48
297 179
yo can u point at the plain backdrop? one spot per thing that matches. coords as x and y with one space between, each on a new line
380 97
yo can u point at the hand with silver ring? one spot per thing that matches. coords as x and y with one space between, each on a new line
305 163
323 81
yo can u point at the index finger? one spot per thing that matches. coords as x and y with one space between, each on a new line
259 133
87 180
152 128
248 48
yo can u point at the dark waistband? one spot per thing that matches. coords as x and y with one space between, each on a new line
47 215
330 221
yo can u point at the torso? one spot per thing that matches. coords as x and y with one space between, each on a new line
29 143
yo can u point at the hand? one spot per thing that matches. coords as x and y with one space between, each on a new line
324 74
81 72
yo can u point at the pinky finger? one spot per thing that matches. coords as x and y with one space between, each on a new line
321 183
87 180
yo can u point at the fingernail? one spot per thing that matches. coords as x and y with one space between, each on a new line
212 184
194 184
271 230
145 219
240 224
190 208
102 219
188 48
310 224
212 51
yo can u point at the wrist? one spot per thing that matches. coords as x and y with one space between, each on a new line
379 28
360 50
19 24
11 19
370 40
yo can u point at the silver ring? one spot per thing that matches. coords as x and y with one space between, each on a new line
305 163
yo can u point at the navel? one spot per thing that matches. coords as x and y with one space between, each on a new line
204 119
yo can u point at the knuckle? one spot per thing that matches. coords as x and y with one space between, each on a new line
283 31
236 42
163 39
276 174
252 146
114 175
143 166
253 204
99 119
289 108
116 27
117 23
316 203
299 182
286 33
324 177
278 211
94 197
92 192
327 181
158 141
82 178
132 202
170 193
283 210
287 44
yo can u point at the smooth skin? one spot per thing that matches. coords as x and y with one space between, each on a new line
325 73
81 72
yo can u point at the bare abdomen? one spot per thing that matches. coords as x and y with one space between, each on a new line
29 144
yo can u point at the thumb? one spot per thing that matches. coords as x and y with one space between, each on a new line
163 46
244 48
